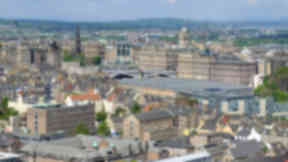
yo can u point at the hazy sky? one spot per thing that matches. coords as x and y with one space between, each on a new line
99 10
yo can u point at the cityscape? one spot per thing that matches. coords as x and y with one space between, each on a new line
153 81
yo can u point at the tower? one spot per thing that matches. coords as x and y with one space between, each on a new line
54 55
183 37
78 48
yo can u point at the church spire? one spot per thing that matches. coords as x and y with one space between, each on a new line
78 49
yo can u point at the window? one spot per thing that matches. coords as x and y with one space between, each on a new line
42 58
175 122
36 121
131 129
32 59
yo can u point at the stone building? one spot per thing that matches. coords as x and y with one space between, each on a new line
32 55
156 59
110 56
208 67
194 66
49 119
92 49
233 71
159 123
121 52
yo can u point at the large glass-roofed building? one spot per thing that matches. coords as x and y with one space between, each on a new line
226 98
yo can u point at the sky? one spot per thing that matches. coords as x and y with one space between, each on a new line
111 10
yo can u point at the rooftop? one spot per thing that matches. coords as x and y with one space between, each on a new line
161 113
57 106
47 106
81 147
202 88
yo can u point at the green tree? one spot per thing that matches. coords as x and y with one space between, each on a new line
103 129
101 116
96 60
265 150
68 57
136 108
82 129
5 110
82 60
192 102
119 111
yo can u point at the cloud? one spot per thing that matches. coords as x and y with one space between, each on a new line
252 2
172 1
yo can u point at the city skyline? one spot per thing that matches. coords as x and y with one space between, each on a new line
112 10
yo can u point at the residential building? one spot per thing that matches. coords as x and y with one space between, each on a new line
159 123
90 97
49 119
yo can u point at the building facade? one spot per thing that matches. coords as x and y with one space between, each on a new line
156 59
51 119
205 67
159 123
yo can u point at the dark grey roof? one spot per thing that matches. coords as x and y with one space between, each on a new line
210 124
116 119
244 132
178 142
281 158
80 147
247 149
223 135
155 114
234 127
161 113
201 88
216 149
5 140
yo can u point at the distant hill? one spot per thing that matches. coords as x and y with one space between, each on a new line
167 23
155 23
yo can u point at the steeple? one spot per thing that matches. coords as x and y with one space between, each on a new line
78 48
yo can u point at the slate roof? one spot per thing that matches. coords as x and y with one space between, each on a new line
245 132
196 88
282 158
5 140
80 147
162 113
223 135
212 123
247 149
178 142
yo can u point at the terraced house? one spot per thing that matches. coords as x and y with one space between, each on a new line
159 123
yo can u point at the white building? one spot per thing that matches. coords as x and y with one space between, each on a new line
9 157
203 156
